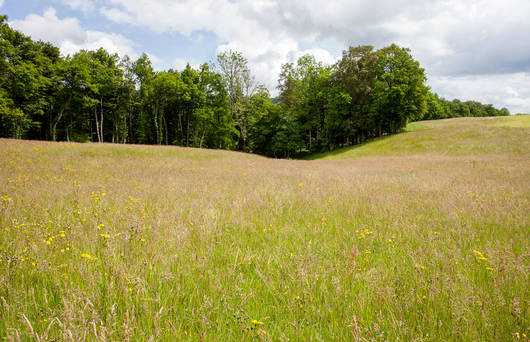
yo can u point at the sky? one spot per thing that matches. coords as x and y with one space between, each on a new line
470 49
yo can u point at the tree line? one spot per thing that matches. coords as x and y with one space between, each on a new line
96 96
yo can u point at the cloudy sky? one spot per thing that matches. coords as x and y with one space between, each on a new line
470 49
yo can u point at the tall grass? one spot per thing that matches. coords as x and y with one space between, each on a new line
106 242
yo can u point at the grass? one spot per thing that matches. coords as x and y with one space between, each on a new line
453 137
107 242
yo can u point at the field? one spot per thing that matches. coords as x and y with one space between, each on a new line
422 236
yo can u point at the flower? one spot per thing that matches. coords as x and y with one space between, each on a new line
88 256
255 322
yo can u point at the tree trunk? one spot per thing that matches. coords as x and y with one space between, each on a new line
202 139
156 126
187 130
124 140
97 122
101 123
56 121
165 127
180 127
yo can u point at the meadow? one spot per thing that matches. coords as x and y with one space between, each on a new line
421 236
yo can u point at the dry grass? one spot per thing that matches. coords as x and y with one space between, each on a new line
452 137
106 242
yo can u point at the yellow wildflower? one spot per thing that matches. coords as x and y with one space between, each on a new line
88 256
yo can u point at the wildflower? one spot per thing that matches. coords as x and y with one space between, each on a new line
255 322
106 236
88 256
300 184
419 266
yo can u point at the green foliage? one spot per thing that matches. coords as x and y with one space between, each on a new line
96 96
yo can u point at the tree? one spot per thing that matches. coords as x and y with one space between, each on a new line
96 96
26 70
240 85
399 92
304 92
354 78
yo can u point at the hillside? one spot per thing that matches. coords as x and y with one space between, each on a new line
455 137
419 236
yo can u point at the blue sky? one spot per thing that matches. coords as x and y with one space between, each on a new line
474 49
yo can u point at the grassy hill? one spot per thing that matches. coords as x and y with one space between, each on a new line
420 236
457 137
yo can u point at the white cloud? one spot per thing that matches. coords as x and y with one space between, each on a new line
265 48
70 36
181 63
454 40
82 5
502 90
50 28
321 55
450 38
116 15
113 43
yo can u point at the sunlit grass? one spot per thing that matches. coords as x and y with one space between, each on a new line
455 137
521 120
162 243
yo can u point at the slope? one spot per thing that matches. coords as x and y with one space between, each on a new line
456 137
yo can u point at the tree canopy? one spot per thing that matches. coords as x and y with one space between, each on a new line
96 96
